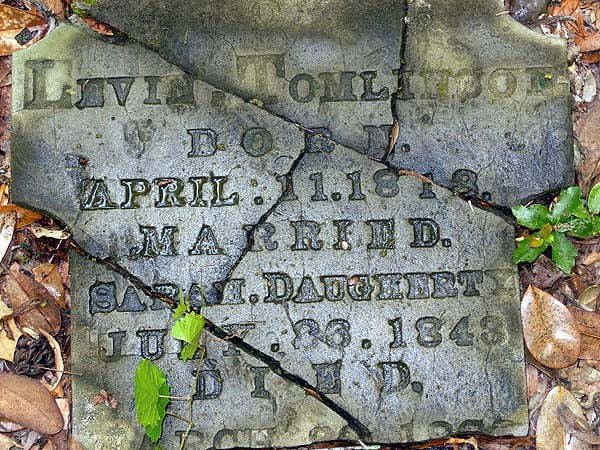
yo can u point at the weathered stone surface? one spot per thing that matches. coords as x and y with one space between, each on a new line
483 102
394 299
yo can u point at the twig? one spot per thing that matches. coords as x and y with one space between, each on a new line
61 371
177 416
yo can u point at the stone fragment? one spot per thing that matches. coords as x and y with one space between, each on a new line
483 102
393 299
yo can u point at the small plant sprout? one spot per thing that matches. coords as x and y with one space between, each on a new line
569 216
151 387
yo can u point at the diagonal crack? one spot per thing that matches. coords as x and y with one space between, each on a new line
274 365
358 427
473 199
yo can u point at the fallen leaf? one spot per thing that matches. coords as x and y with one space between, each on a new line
6 443
8 222
565 8
5 310
47 274
549 329
40 232
551 434
17 19
8 344
33 306
588 322
590 348
56 7
24 216
589 297
590 259
63 405
588 43
25 401
99 27
105 397
59 365
589 86
577 425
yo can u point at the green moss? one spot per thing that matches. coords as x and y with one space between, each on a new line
80 7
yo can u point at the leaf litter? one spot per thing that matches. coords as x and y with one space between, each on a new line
562 401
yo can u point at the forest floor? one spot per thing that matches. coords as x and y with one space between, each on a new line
564 403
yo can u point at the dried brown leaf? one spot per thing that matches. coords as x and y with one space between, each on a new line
590 348
551 435
6 442
33 306
57 7
47 274
99 27
549 329
25 401
59 365
105 397
564 8
24 216
589 297
8 342
588 43
588 322
8 222
17 19
40 232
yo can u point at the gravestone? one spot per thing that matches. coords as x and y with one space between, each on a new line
349 303
483 103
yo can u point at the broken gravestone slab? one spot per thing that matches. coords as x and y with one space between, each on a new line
483 103
392 299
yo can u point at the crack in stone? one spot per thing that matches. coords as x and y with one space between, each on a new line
359 428
275 366
500 211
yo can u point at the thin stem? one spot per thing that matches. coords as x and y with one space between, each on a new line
177 416
186 399
61 371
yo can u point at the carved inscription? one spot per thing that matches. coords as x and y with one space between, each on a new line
383 292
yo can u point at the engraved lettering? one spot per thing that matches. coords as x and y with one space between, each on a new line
257 141
337 87
259 382
368 94
279 287
134 188
152 343
206 243
306 232
103 297
43 73
426 233
303 88
204 142
98 196
328 377
154 245
209 381
396 376
121 86
261 64
382 234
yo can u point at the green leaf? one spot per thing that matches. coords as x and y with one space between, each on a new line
563 252
188 351
534 216
526 253
149 385
569 203
182 306
188 329
594 199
